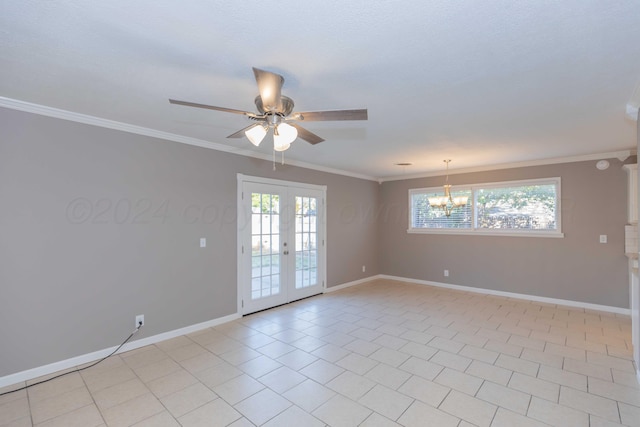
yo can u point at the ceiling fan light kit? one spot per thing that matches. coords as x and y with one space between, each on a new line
256 134
275 112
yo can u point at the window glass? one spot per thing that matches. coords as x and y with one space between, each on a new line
530 207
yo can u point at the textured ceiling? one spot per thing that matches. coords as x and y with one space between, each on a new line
482 83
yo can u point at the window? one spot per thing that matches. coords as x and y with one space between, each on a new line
521 208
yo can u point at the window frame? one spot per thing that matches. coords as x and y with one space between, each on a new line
474 230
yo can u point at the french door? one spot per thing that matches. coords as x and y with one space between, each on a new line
281 232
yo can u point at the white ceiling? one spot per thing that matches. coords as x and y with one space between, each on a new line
479 82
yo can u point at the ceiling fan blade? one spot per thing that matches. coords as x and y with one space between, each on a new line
269 86
310 137
211 107
241 132
331 115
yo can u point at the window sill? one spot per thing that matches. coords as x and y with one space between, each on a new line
509 233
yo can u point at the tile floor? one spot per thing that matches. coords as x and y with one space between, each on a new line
378 354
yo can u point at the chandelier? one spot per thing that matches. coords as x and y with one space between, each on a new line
447 202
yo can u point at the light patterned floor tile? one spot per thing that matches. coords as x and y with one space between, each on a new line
262 406
188 399
240 355
426 391
259 366
309 395
489 372
158 369
171 383
587 369
102 378
294 417
388 376
628 379
14 410
562 377
357 363
297 359
340 411
479 354
321 371
330 353
424 369
132 411
475 411
381 351
390 357
453 361
534 386
590 403
87 416
61 404
163 419
615 391
504 397
506 418
556 415
119 393
543 358
214 414
377 420
351 385
282 379
386 402
238 388
459 381
423 415
519 365
629 414
55 387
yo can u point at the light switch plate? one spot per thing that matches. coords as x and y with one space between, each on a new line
603 238
203 242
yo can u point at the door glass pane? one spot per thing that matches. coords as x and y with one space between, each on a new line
306 249
265 245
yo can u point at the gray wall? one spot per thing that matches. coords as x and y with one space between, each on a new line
98 225
576 267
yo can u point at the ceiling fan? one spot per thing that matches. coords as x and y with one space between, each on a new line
275 111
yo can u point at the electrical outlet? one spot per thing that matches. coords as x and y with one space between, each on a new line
139 320
446 273
364 268
603 238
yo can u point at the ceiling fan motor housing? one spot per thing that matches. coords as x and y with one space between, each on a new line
285 110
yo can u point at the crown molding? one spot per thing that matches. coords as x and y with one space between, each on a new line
57 113
620 155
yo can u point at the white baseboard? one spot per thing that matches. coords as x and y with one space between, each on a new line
90 357
556 301
30 374
354 283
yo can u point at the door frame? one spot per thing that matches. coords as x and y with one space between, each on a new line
243 222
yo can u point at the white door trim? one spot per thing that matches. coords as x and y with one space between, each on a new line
242 222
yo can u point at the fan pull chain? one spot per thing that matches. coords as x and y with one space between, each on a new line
274 159
282 160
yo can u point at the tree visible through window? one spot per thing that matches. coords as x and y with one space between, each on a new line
523 207
529 207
